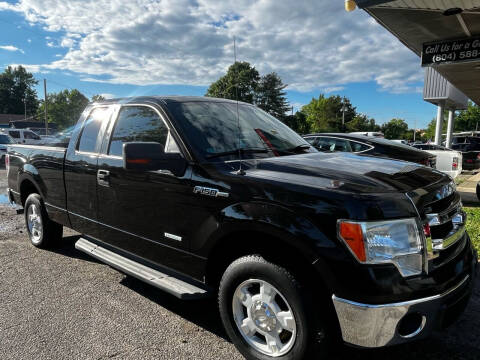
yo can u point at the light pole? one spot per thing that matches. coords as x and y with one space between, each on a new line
25 103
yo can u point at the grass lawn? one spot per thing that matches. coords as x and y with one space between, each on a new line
473 225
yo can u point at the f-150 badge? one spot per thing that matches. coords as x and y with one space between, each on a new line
209 192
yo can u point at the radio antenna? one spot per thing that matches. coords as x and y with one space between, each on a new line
240 169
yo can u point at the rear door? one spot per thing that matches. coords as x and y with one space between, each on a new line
81 169
143 213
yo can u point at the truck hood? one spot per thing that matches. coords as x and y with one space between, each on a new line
344 171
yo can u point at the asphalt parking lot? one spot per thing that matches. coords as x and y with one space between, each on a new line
62 304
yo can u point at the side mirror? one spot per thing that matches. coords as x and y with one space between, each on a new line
150 156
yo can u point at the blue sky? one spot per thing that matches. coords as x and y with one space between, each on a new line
179 47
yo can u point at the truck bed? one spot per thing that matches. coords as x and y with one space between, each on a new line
44 167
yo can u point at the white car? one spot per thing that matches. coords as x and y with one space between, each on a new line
5 140
448 161
23 136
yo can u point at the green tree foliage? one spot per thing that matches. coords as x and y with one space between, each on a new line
325 113
64 108
16 88
467 120
297 122
395 129
241 79
361 122
270 95
97 98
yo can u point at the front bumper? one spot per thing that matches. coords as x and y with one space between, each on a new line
373 326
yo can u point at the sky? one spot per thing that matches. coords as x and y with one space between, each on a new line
123 48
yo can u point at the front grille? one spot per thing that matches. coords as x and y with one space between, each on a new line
441 231
445 218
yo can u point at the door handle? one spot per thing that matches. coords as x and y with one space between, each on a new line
103 177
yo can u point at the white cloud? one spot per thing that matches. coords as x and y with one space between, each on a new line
311 44
11 48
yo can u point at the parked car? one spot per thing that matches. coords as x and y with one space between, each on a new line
4 141
23 136
448 161
470 148
359 144
369 133
201 196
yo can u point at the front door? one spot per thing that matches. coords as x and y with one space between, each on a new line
142 212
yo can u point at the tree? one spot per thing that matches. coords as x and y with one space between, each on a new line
297 122
17 90
240 80
64 108
325 113
361 122
395 129
97 98
468 120
270 95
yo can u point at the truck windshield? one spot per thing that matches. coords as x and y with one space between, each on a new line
215 132
5 139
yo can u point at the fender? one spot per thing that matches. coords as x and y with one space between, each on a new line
273 220
30 173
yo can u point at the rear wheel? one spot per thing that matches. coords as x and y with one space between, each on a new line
42 231
266 312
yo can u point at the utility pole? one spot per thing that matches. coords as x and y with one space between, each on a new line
414 130
25 103
292 113
45 92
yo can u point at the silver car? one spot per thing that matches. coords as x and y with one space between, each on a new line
5 140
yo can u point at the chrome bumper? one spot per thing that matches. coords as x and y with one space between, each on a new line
378 325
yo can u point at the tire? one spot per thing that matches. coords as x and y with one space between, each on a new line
267 314
478 191
43 232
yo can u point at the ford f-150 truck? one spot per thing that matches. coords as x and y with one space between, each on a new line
201 196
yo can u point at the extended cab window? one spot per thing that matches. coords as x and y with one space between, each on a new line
137 124
14 134
89 137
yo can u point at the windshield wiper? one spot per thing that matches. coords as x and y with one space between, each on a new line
236 151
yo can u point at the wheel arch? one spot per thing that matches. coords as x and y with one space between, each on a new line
27 187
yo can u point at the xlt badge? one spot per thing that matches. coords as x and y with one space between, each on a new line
209 192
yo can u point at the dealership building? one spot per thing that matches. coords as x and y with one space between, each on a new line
445 34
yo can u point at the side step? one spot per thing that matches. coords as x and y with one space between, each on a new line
165 282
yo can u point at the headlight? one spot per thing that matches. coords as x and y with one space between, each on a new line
395 241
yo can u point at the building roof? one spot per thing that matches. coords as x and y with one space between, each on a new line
6 118
419 22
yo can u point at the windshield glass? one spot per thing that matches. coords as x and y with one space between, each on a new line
213 130
5 139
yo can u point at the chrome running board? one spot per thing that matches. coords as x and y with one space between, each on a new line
167 283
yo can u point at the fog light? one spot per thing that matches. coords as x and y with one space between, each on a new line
411 325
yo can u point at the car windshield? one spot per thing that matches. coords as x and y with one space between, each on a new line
5 139
215 131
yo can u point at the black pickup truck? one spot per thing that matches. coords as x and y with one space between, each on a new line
201 196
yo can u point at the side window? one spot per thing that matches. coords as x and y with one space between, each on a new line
15 134
30 135
89 137
333 144
357 147
137 124
312 141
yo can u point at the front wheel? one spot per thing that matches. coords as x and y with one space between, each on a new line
42 231
266 313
